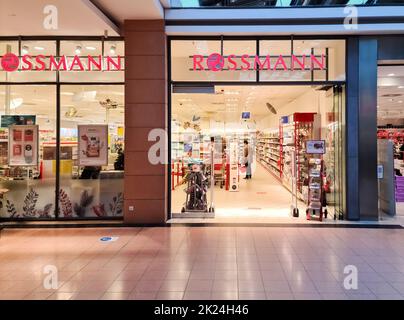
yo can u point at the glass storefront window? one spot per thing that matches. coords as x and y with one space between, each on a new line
239 61
91 190
212 60
303 60
38 61
27 182
86 189
83 49
31 50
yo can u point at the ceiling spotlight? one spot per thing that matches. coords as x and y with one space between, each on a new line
24 49
391 74
401 87
39 48
78 50
90 48
112 50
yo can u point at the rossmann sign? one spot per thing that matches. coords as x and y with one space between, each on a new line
11 62
217 62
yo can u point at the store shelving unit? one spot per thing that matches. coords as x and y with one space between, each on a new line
268 152
295 130
177 145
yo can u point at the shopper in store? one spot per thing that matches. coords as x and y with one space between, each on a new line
247 159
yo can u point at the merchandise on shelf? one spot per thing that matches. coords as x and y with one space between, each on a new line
295 131
399 189
268 151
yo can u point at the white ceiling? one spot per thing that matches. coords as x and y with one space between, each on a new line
229 101
75 17
40 100
390 92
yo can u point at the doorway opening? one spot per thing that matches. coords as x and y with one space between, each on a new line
245 153
390 140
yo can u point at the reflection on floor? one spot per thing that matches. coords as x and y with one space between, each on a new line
202 263
259 199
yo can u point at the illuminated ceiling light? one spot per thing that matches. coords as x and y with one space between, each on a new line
401 101
391 74
112 50
78 50
401 87
15 103
90 48
39 48
24 49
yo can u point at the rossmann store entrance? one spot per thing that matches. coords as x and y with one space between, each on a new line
257 130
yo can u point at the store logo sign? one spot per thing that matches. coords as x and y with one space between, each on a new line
11 62
217 62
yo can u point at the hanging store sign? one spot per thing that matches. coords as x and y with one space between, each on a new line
11 62
217 62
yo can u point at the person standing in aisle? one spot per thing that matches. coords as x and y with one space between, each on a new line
247 159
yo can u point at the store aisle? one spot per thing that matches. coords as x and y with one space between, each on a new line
262 197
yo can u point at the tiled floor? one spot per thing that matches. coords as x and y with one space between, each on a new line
261 200
202 263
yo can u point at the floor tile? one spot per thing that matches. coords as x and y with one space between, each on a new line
196 295
173 285
61 296
277 287
224 295
170 295
250 286
307 296
150 295
87 296
225 285
148 285
251 295
199 285
122 286
280 296
334 296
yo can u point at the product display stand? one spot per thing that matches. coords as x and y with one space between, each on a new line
212 180
294 207
314 210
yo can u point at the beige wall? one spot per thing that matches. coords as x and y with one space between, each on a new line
145 109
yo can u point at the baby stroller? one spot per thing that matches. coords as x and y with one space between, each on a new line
197 185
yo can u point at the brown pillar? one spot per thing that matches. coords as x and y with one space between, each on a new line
145 110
